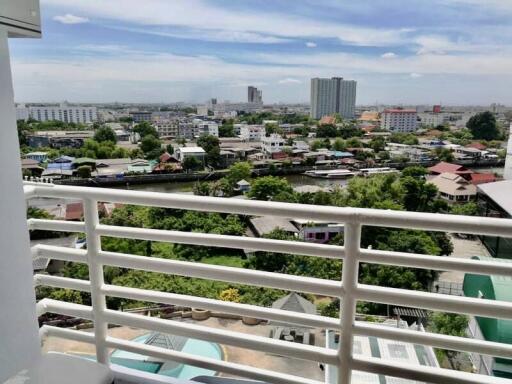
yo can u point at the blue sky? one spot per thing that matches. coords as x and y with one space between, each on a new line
399 51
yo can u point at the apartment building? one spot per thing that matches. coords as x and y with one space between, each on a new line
399 120
251 132
167 128
330 96
63 112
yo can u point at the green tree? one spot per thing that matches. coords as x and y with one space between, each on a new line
84 171
211 146
444 154
339 145
483 126
144 129
150 145
170 149
230 294
467 209
268 187
326 130
191 163
227 129
239 171
105 133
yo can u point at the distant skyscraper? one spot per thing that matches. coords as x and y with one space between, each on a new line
330 96
254 95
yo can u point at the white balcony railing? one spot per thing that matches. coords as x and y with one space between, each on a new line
348 289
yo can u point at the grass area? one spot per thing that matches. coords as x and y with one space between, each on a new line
228 261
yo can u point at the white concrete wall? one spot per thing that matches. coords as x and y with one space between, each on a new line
19 340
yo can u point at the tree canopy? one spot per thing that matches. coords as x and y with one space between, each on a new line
483 126
105 133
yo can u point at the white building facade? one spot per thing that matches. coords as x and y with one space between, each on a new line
399 120
272 144
252 132
64 112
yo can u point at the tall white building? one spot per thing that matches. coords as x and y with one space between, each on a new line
63 112
330 96
399 120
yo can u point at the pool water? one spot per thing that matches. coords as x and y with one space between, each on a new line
182 371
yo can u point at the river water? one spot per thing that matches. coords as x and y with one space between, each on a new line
187 186
294 180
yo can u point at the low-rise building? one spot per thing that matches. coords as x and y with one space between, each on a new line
40 157
140 116
272 144
183 152
385 350
454 188
494 200
251 132
167 128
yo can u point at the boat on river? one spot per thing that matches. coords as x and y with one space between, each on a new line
331 174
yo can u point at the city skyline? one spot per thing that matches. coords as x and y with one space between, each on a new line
453 52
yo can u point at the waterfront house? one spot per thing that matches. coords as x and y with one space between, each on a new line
454 188
40 157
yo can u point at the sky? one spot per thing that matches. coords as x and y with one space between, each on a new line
454 52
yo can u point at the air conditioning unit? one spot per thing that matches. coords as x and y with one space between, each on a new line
20 17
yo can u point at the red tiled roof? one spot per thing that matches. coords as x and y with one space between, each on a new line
480 178
74 211
444 167
477 145
327 120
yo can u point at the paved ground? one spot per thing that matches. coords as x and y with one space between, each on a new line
237 355
463 248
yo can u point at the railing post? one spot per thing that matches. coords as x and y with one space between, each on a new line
96 278
349 280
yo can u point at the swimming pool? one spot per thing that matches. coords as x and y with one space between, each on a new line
181 371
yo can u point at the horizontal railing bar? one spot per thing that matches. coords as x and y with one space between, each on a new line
365 216
222 273
59 253
421 373
62 282
435 301
180 357
208 363
56 225
215 240
434 340
443 263
237 339
246 310
69 334
67 309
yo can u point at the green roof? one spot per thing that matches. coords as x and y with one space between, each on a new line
492 288
84 160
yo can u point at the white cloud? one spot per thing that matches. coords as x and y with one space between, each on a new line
388 55
68 18
289 80
310 44
415 75
207 17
